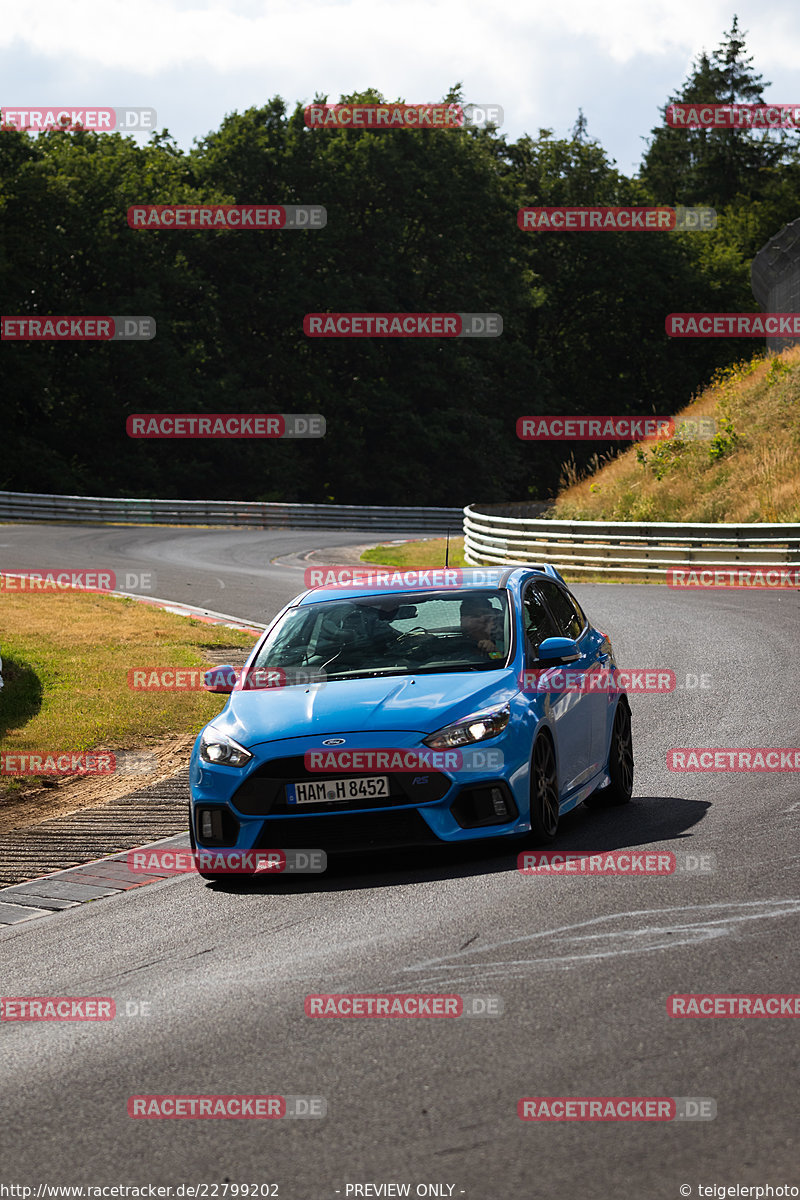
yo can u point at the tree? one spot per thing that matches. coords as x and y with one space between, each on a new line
716 166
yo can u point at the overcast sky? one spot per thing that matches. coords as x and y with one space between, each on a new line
196 60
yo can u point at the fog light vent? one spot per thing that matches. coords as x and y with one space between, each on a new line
490 804
499 803
210 825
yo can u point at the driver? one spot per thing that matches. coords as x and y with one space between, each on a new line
479 625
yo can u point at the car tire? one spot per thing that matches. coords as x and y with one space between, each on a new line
544 790
620 762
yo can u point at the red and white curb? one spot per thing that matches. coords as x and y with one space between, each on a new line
206 615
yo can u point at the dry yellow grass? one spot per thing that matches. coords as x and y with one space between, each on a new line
751 472
66 660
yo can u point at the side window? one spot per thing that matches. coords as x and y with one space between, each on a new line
582 615
569 618
537 621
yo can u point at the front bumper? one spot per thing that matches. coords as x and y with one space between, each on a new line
425 807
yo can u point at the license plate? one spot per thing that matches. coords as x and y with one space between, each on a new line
336 791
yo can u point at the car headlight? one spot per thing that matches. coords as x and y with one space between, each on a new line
217 747
475 728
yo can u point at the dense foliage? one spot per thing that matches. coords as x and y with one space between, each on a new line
418 221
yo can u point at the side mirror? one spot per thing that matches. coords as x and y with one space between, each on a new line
220 679
556 651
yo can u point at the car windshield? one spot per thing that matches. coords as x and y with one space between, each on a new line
456 630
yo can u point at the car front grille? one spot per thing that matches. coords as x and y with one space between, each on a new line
264 792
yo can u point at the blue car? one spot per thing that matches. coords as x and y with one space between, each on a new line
414 716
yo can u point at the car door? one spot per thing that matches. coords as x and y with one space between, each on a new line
567 710
592 665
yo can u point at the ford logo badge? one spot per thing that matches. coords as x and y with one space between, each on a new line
334 742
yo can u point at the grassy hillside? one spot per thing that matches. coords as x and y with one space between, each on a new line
749 471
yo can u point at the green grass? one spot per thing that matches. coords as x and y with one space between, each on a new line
66 660
429 552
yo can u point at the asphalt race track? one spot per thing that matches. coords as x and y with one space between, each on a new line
583 966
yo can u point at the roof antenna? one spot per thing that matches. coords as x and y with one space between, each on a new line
447 551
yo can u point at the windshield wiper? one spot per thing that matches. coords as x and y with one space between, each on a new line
369 672
330 660
449 667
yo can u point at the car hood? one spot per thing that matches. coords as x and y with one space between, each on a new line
407 702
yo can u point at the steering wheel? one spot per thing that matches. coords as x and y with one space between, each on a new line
408 632
412 639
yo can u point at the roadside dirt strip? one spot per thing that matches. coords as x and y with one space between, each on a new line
156 811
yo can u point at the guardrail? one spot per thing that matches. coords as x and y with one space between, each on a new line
592 547
623 547
34 506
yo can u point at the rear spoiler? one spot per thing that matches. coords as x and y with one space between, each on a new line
546 569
